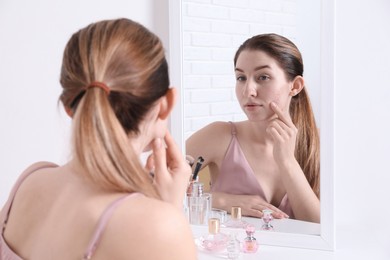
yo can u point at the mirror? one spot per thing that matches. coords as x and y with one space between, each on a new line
203 66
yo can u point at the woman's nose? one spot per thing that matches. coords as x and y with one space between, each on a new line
250 89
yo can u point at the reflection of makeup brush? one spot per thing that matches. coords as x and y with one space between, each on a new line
197 167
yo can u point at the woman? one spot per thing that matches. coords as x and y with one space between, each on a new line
103 204
270 160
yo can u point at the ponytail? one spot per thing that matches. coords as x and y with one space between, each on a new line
307 148
102 147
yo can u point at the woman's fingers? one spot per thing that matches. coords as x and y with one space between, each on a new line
253 213
257 205
259 213
282 128
159 158
276 212
281 115
172 149
276 130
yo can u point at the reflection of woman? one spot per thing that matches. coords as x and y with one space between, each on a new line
103 204
270 160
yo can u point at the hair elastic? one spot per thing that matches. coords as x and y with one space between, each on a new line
97 84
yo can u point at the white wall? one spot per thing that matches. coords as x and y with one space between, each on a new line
362 126
212 32
33 35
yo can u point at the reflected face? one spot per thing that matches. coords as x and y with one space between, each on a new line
259 81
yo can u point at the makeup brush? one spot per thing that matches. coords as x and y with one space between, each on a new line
197 167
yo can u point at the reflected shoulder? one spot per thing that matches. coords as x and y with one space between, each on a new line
217 127
209 135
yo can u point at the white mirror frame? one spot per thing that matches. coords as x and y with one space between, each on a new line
326 239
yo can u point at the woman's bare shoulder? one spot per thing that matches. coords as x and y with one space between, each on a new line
218 126
146 228
210 142
211 132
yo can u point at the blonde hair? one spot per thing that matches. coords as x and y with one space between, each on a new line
307 148
130 60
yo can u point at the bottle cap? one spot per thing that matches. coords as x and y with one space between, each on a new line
267 211
236 212
214 225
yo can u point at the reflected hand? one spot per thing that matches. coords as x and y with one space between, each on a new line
171 171
251 205
284 134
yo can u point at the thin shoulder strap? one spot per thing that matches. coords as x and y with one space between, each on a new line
7 207
104 218
233 128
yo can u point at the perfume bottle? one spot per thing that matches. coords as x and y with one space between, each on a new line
235 220
250 244
233 246
198 205
214 241
267 219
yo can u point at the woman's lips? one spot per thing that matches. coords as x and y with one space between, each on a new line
253 105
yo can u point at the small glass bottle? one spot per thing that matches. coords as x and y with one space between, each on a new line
214 241
195 188
250 244
235 220
233 246
267 219
198 204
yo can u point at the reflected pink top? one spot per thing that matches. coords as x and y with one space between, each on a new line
237 177
6 253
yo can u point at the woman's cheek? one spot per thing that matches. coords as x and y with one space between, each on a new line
281 100
274 97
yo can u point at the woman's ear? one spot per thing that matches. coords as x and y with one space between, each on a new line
297 85
166 104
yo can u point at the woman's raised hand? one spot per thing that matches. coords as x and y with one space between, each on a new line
283 133
171 171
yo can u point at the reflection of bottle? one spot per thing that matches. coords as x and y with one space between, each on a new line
233 246
195 188
214 241
267 219
250 243
235 220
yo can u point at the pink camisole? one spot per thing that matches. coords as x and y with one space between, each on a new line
6 253
237 177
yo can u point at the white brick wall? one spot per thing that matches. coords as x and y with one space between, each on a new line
212 32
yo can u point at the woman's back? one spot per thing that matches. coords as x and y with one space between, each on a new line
55 214
115 87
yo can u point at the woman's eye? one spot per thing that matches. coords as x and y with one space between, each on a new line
264 77
240 78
